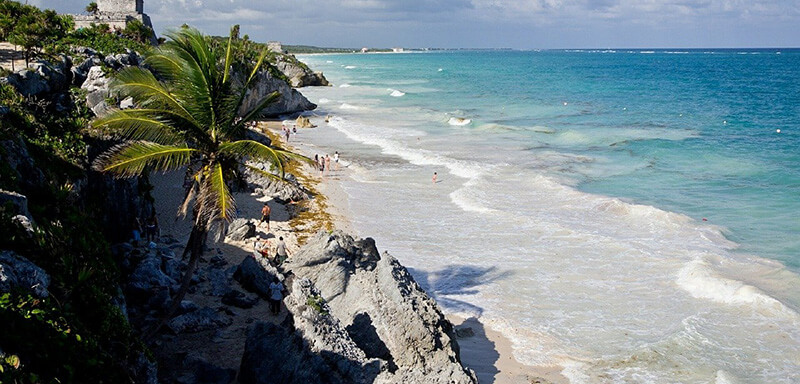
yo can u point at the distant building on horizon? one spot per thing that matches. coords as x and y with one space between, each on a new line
116 13
275 46
364 50
398 50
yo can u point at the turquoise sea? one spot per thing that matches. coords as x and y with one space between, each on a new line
628 215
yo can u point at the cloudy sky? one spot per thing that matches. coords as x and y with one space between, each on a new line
522 24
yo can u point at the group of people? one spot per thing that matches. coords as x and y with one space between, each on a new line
262 247
324 162
149 228
287 132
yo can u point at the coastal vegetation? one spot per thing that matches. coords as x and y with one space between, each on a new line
191 116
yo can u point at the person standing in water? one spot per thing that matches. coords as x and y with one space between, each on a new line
336 159
434 177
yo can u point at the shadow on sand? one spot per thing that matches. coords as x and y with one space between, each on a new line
457 280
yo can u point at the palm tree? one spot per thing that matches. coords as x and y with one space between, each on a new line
92 8
190 115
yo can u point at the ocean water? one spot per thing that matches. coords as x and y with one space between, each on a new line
631 216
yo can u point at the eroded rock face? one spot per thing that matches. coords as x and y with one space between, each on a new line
18 272
241 229
298 75
289 102
384 311
284 191
311 346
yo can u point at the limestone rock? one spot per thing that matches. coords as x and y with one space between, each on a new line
96 86
289 102
200 320
310 347
283 191
241 229
387 313
18 272
239 299
18 202
304 122
256 275
299 75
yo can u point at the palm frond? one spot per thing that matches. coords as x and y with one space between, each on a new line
131 158
255 151
147 91
228 54
262 172
142 124
215 201
256 111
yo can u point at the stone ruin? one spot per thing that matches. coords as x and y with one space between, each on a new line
116 13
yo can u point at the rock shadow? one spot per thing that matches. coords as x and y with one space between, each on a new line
457 280
364 334
278 354
478 352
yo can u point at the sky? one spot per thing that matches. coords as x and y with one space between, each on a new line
519 24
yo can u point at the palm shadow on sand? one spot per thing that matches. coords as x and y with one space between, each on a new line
457 280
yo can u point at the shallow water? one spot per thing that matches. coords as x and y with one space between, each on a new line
629 216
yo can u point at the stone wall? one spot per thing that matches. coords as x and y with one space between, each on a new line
120 6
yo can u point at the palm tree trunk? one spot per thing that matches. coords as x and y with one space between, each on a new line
194 247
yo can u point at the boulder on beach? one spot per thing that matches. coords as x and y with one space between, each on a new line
304 122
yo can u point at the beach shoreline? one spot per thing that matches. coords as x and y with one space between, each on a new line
488 352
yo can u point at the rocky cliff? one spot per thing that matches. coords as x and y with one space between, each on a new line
355 310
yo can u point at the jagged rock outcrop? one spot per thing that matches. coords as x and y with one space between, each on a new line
386 312
25 173
283 191
290 101
42 78
18 202
18 272
255 275
356 317
241 229
298 75
311 346
304 122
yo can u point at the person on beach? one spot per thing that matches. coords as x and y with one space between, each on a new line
265 211
152 227
294 129
281 254
328 162
336 159
287 134
261 247
136 231
321 166
434 177
275 295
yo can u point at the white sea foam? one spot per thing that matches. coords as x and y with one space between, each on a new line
470 198
459 121
350 67
345 85
349 106
323 101
396 93
371 135
699 279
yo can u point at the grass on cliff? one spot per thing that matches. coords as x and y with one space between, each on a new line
314 216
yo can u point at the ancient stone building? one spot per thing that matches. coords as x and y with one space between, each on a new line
115 13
